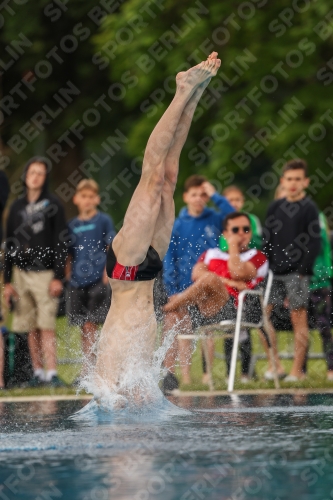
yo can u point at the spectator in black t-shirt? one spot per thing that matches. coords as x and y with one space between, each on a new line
292 243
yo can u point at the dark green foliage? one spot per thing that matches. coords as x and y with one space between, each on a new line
294 38
133 57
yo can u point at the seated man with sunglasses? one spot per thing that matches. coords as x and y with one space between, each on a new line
218 279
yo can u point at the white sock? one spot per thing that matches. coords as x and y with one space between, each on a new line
49 374
39 373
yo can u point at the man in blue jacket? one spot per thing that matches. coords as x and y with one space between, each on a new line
196 229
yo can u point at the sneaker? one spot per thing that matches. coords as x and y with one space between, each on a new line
34 382
270 375
56 382
169 383
293 378
244 379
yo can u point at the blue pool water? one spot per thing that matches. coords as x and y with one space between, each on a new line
235 448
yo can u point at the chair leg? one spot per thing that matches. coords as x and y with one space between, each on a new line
233 364
208 365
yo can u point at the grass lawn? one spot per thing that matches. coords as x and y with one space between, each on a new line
316 376
69 348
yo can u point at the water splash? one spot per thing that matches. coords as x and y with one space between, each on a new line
137 394
110 410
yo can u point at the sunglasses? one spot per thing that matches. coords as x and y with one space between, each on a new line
235 229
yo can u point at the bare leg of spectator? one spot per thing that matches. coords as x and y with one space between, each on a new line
181 323
279 367
2 362
170 320
35 348
89 331
185 348
208 293
299 321
49 352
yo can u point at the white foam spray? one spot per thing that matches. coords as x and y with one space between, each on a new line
137 394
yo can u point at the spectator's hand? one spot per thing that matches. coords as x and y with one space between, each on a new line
55 288
238 285
233 239
209 189
9 292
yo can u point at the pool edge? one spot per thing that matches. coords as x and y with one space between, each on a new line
180 394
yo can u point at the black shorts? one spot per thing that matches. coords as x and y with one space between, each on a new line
90 303
251 314
292 286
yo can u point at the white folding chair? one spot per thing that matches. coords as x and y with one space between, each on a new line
262 325
212 331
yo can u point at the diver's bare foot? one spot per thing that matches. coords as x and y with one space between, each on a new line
213 55
203 85
194 77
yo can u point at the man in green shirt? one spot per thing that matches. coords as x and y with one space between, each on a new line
235 197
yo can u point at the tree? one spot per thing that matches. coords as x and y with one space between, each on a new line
86 82
270 101
55 100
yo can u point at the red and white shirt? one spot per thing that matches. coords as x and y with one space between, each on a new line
217 262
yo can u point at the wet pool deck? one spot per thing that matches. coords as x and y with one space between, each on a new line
181 394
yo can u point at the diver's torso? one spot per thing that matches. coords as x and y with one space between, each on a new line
132 307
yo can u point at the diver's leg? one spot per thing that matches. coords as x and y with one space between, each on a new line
166 216
132 242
